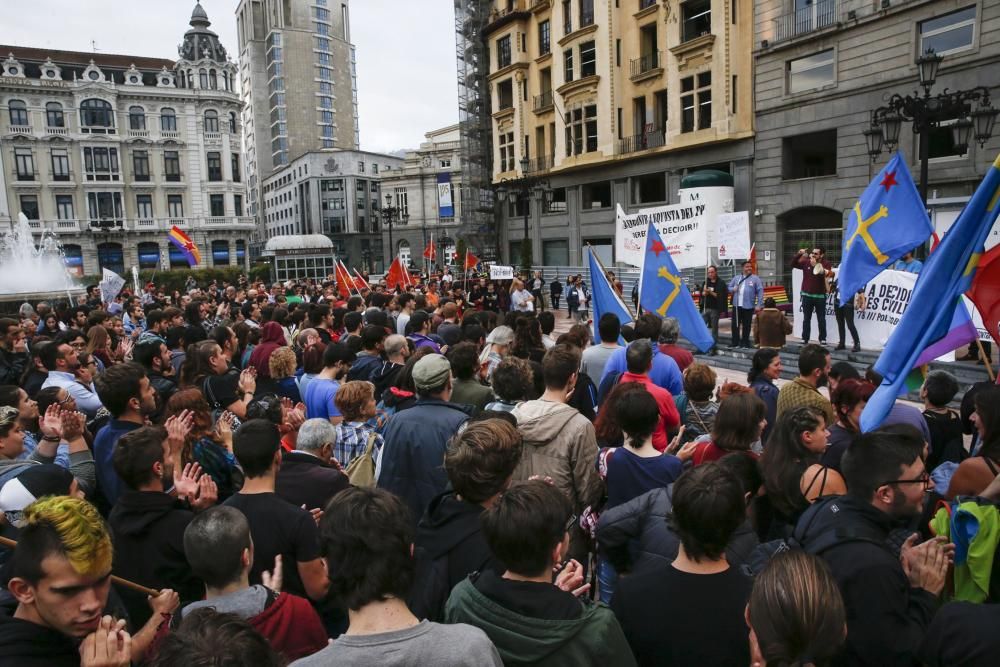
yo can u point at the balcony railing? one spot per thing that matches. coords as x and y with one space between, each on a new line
821 14
540 164
19 129
76 226
502 105
544 100
138 134
648 62
170 134
63 226
641 142
56 131
213 136
696 26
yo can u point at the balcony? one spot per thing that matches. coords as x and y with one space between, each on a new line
822 14
540 164
641 142
213 137
170 134
543 102
19 129
56 131
138 134
145 224
57 226
646 67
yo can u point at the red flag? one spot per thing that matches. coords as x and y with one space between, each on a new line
753 258
985 291
343 280
396 276
471 261
359 282
430 252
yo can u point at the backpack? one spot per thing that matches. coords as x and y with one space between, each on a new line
361 470
217 408
607 384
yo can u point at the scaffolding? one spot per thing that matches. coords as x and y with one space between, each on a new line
478 225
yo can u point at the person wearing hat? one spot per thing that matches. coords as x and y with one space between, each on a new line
416 438
498 344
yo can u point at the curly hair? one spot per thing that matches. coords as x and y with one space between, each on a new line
67 526
699 381
352 397
282 363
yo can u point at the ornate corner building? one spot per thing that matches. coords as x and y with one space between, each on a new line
108 152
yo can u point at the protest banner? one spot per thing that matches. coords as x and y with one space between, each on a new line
498 272
734 235
683 228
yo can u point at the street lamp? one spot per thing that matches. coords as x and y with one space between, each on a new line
390 213
927 112
522 189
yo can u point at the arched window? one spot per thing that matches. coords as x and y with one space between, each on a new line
225 81
136 118
18 112
168 120
203 76
149 255
96 114
232 122
220 253
54 115
213 81
211 121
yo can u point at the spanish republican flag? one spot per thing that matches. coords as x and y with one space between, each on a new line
185 245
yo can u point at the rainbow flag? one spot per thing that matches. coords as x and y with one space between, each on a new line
185 245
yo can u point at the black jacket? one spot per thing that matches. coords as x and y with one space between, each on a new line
636 538
148 529
720 301
384 377
305 479
26 644
449 547
12 365
886 617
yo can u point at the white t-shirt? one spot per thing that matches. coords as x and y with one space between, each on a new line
521 300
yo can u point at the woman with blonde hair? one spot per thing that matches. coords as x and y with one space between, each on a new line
282 365
520 298
99 344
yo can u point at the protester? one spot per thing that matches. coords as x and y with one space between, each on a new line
498 344
665 372
737 428
322 390
355 401
61 361
307 475
13 352
747 293
947 442
555 291
639 360
208 444
397 351
595 357
691 612
529 617
670 331
511 382
466 389
814 365
849 401
770 326
908 263
815 271
695 406
367 543
765 369
713 303
974 474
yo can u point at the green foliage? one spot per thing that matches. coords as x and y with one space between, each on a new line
460 249
526 254
175 279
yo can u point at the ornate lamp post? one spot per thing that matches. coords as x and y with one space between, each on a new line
522 189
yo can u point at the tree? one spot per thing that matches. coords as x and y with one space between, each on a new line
526 255
460 250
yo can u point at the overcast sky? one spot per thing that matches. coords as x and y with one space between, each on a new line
406 51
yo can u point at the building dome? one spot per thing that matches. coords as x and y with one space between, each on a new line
200 43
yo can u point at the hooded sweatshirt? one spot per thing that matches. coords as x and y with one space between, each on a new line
27 644
593 638
148 529
560 443
272 337
449 547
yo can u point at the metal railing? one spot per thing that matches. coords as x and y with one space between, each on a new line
821 14
544 100
696 26
539 164
641 142
648 62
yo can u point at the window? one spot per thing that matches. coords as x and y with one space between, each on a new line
25 163
60 164
238 205
64 207
586 12
144 207
203 79
214 166
581 130
140 165
232 122
588 59
96 116
105 206
362 186
503 52
950 33
567 12
321 14
809 72
696 102
325 74
506 141
505 94
136 118
236 167
374 171
211 121
54 115
217 205
809 155
555 253
649 188
168 120
696 19
568 65
544 37
555 202
325 102
175 206
172 166
596 195
29 206
149 255
444 164
322 44
941 142
18 112
101 164
220 253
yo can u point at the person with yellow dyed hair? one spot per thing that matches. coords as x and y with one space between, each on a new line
61 575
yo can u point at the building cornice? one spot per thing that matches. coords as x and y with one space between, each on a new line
576 34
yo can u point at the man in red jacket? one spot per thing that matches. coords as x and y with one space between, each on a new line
815 270
219 549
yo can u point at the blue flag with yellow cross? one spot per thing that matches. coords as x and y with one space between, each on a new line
662 291
888 221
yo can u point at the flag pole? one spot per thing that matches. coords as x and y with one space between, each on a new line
986 360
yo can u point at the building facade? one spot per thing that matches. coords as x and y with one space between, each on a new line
614 102
337 194
427 189
821 69
299 83
108 152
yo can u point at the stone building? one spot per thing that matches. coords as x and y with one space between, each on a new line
614 102
427 189
821 69
108 152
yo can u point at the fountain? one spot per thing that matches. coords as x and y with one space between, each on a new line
32 273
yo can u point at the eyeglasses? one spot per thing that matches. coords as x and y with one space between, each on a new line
924 479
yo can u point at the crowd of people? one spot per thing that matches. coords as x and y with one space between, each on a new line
243 474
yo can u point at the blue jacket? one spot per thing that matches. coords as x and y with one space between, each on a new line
664 373
413 458
753 296
104 450
768 393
